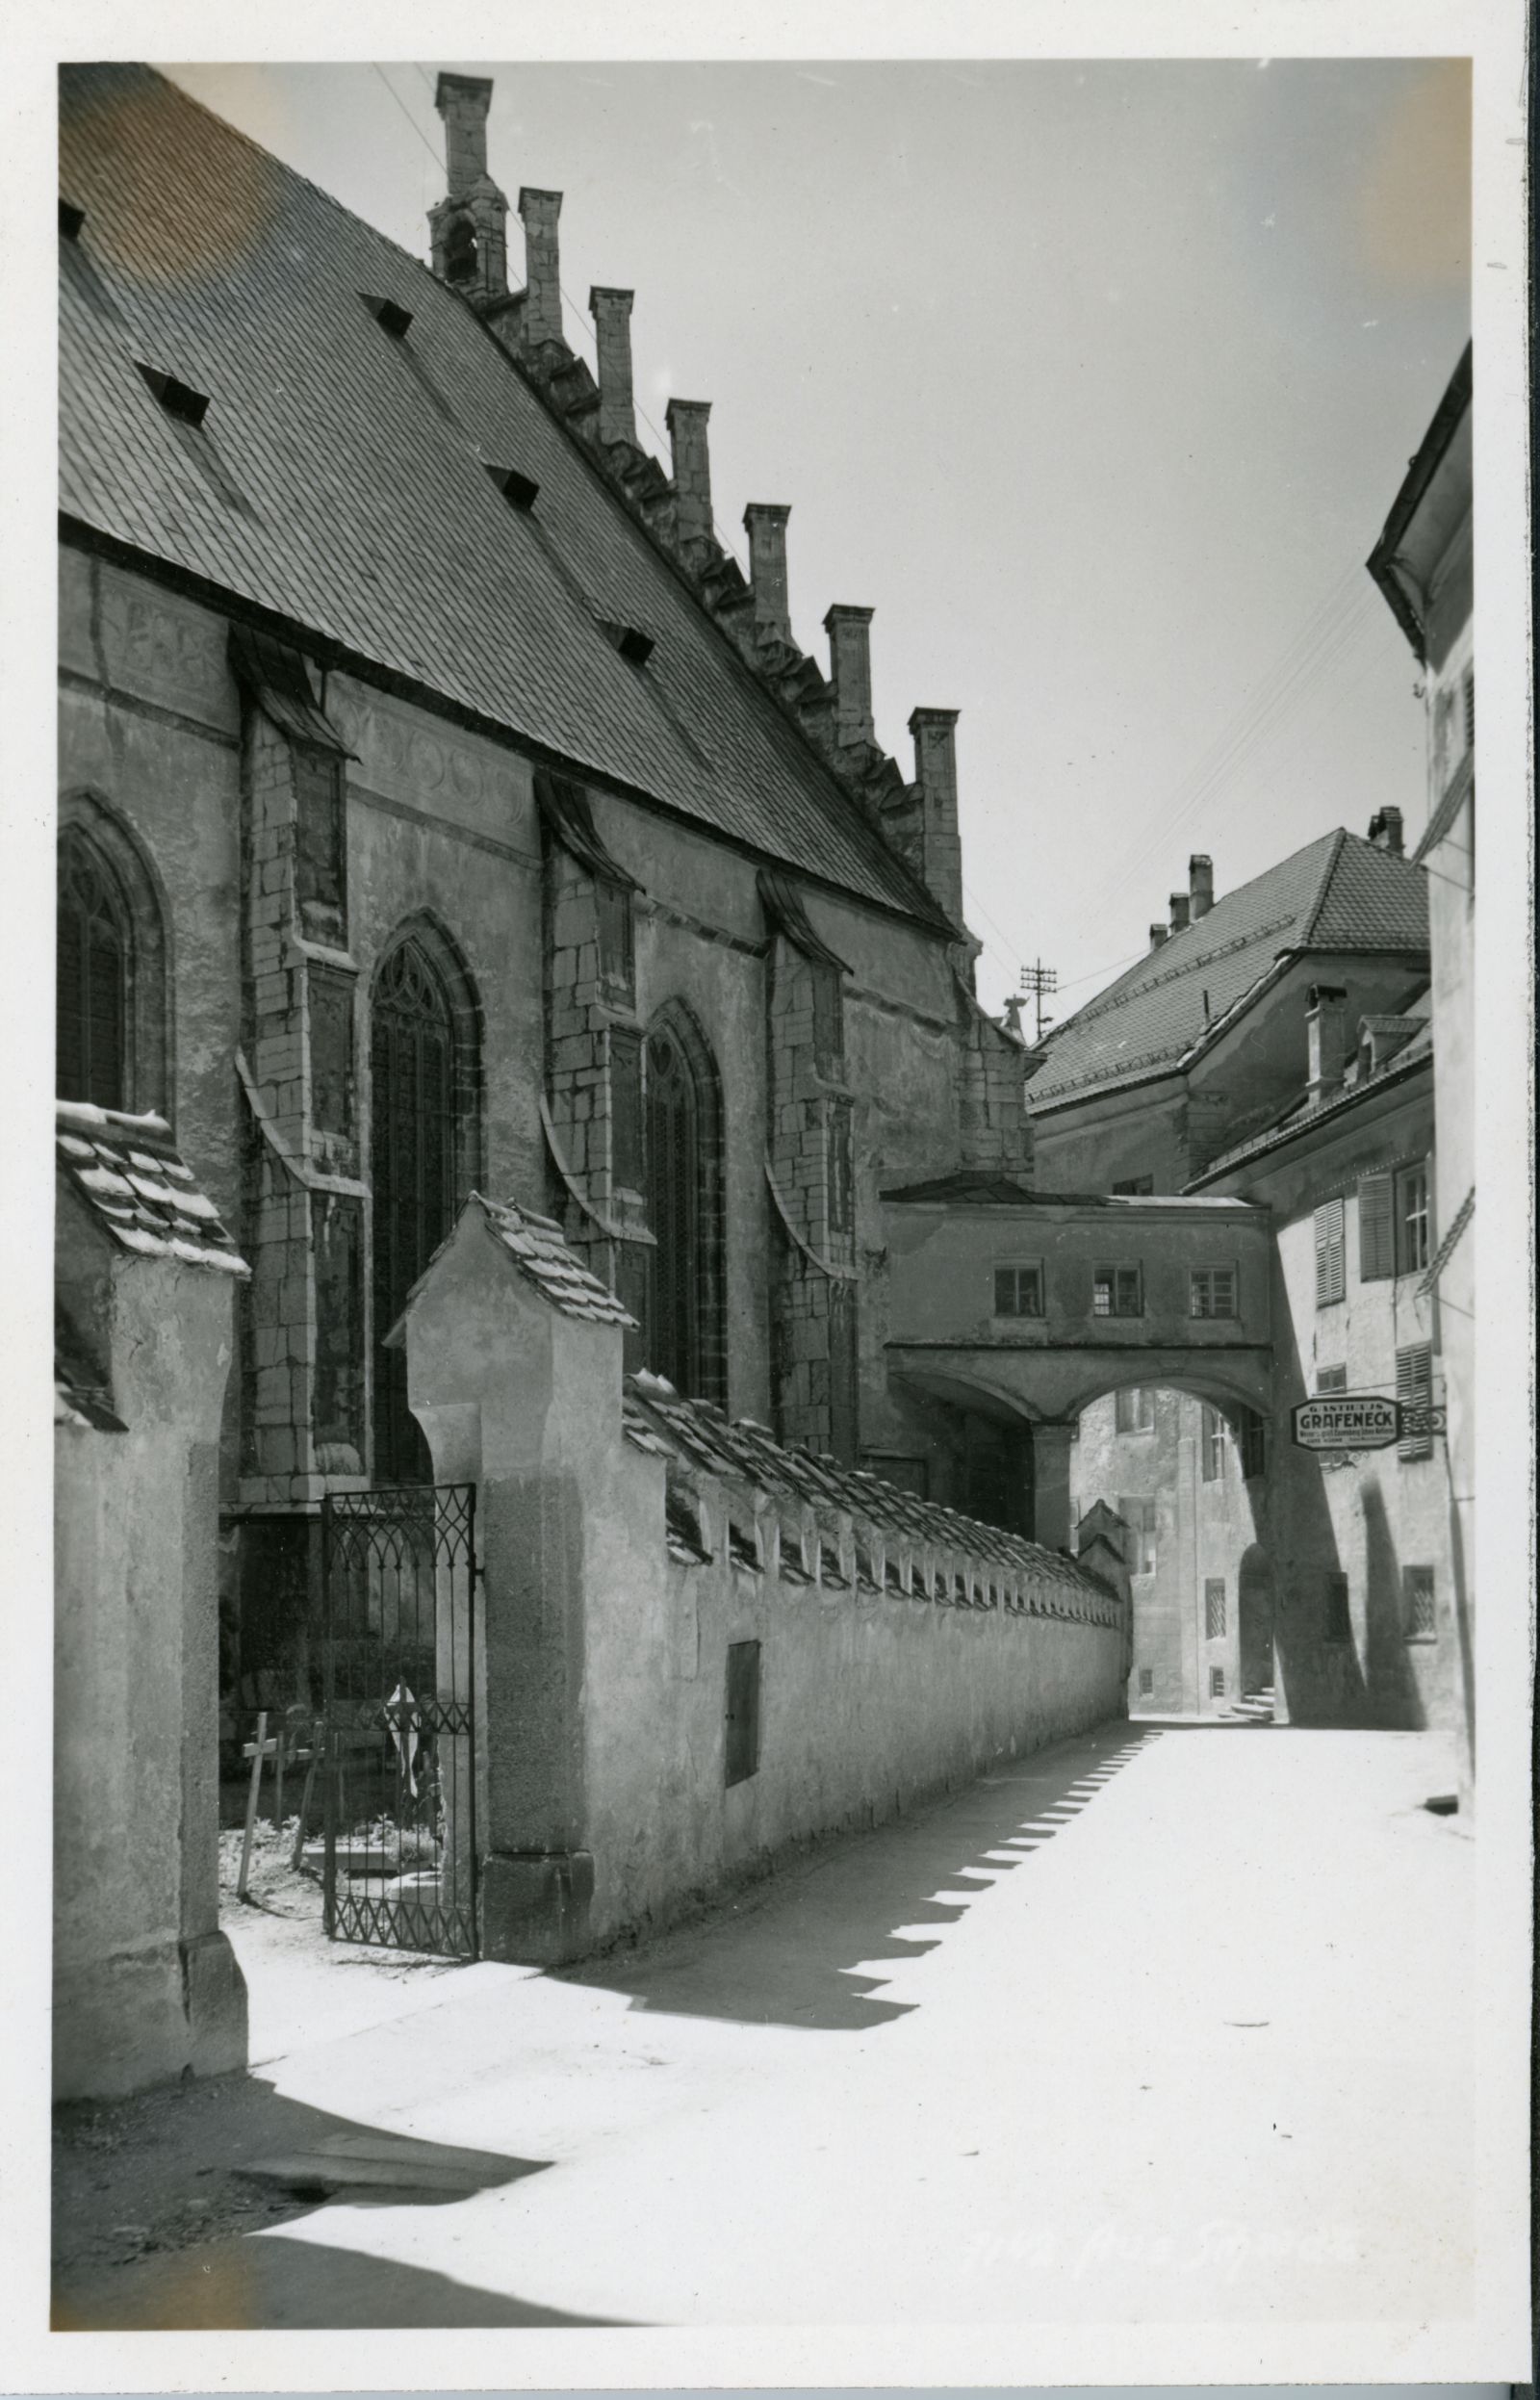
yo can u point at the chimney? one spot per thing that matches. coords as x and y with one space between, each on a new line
934 732
765 523
1327 1034
1385 831
1200 883
1180 905
463 102
468 228
850 668
542 267
611 313
1159 934
692 468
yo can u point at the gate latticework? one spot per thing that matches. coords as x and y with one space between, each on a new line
398 1664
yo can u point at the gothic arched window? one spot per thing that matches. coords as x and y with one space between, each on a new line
113 988
421 1086
685 1333
96 969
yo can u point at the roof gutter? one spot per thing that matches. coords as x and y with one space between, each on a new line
1264 1145
1384 562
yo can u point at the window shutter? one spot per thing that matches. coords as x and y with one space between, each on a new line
1376 1244
1414 1390
1329 1285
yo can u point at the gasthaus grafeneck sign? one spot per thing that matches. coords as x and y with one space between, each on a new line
1347 1421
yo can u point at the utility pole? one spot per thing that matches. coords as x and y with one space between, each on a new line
1037 981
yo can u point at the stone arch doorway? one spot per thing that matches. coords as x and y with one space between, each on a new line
686 1334
423 1065
1255 1603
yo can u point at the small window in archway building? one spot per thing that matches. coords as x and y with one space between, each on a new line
1212 1292
1147 1680
1215 1440
95 987
1117 1292
1338 1623
1134 1410
1253 1444
1214 1611
1018 1291
1216 1683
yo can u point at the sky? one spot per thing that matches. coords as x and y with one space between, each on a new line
1095 381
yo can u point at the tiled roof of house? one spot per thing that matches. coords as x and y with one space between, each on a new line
339 481
128 1172
697 1437
1339 892
545 1260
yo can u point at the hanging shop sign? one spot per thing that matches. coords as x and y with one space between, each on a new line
1360 1421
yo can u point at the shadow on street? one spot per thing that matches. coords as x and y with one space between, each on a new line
798 1937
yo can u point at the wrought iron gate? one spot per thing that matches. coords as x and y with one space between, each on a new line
398 1658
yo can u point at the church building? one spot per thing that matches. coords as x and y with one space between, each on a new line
443 811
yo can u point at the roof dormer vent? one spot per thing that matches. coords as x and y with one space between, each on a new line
633 645
177 399
391 317
519 491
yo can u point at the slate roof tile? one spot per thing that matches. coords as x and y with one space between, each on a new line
130 1175
536 1245
1339 892
693 1433
339 480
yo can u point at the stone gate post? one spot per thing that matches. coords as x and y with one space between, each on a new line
514 1373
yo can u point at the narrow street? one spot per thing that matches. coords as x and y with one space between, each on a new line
1162 2023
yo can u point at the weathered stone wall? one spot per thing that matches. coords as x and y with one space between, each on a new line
144 1983
623 1552
871 1701
442 833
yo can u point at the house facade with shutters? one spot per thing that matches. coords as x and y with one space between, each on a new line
441 809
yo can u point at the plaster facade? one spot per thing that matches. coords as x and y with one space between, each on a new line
146 1985
895 1653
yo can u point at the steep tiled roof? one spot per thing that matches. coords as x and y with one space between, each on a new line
1338 894
546 1261
339 481
697 1437
129 1174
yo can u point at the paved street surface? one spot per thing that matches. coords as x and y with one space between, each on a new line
1158 2024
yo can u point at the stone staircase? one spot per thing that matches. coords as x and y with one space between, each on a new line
1253 1708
